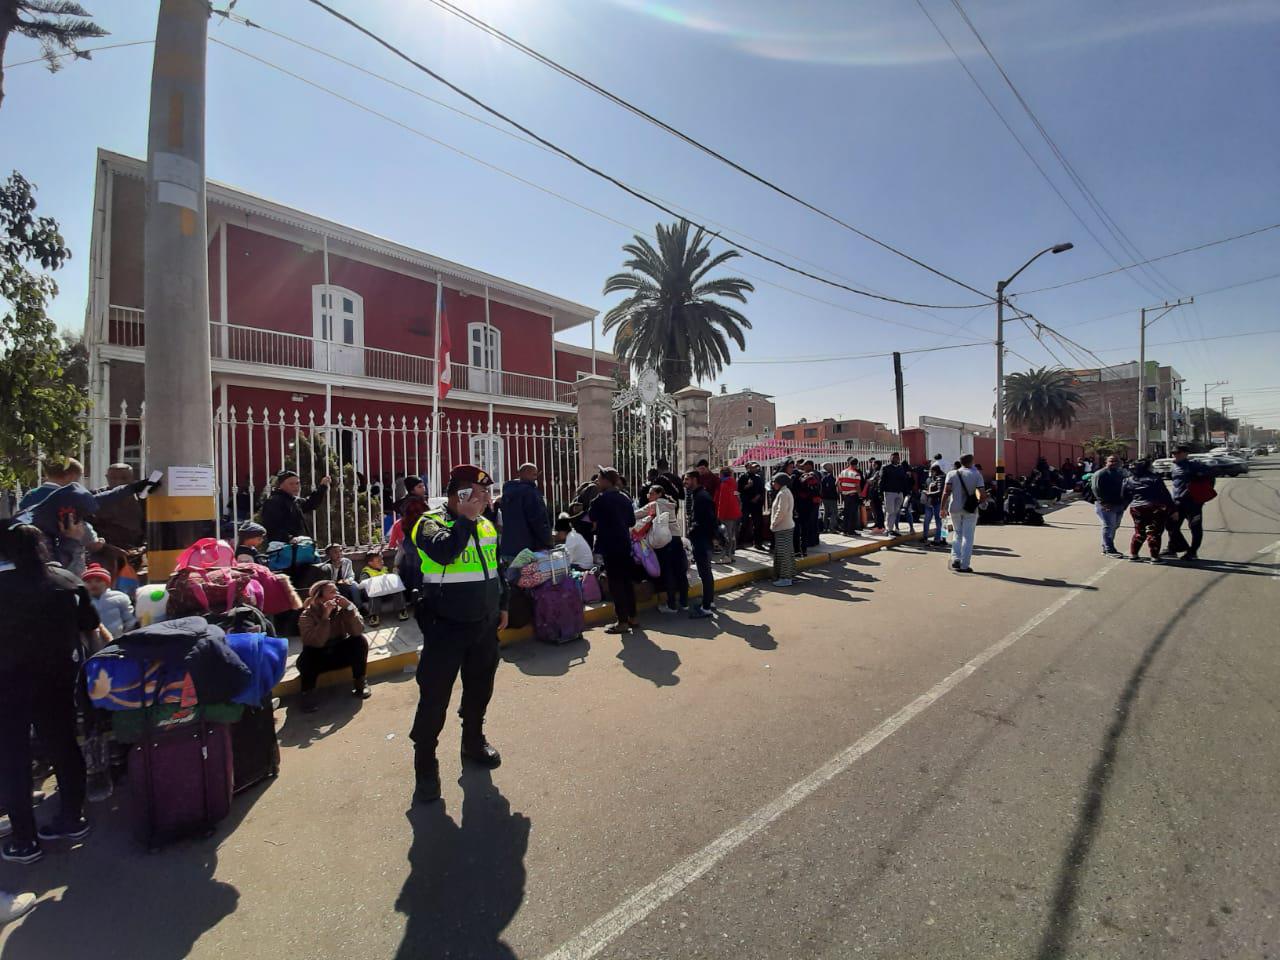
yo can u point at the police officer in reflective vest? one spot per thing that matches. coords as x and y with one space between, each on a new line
463 606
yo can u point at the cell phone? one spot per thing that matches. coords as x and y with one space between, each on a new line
464 494
156 476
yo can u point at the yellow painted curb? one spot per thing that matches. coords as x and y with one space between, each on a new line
601 614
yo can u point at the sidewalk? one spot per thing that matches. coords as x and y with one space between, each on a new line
394 646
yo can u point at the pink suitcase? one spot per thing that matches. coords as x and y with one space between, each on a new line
180 781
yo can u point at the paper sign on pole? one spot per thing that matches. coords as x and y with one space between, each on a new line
189 482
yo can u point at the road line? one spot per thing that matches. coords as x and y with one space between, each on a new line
594 938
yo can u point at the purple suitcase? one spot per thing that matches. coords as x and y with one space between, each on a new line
557 612
180 781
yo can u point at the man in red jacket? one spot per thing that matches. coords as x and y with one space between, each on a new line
849 486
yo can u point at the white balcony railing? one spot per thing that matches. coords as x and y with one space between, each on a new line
274 348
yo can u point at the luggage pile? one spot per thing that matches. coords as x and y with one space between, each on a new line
556 593
193 703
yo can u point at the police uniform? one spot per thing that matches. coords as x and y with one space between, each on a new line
463 595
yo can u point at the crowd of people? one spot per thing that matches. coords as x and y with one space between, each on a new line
62 556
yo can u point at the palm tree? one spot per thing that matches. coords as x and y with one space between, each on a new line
671 320
58 24
1040 399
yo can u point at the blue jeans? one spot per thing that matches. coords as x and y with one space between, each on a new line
933 510
965 524
1110 517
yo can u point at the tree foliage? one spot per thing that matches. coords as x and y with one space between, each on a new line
41 405
1040 399
1105 447
57 25
671 319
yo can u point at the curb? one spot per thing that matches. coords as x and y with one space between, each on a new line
602 614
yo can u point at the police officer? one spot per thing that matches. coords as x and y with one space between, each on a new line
463 606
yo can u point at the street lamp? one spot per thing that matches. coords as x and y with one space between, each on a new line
1000 288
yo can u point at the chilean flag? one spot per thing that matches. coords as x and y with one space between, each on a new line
444 378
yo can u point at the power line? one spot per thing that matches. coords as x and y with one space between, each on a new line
596 171
81 54
1225 336
1109 222
547 190
722 229
688 139
865 356
1166 256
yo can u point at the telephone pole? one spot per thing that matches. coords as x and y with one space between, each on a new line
1205 410
1142 367
177 381
897 386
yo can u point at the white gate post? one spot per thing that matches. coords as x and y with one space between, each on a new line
695 433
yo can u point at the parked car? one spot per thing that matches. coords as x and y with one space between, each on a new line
1260 452
1162 467
1222 466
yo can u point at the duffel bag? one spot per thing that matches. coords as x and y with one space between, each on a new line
130 726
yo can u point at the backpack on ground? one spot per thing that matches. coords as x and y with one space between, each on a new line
196 591
1033 518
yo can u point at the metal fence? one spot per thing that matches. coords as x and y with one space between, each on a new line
643 435
367 459
773 452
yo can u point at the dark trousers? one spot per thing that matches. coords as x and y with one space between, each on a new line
756 527
829 510
617 567
45 699
675 572
702 560
809 525
1191 512
877 509
1148 524
852 515
352 651
450 648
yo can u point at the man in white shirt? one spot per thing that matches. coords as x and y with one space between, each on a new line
965 488
575 544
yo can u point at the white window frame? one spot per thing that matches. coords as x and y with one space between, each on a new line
485 459
486 376
323 313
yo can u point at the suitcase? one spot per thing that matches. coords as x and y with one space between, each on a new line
255 751
180 782
557 612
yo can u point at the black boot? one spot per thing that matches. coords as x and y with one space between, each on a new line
477 749
427 773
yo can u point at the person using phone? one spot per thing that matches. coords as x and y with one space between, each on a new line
332 639
462 606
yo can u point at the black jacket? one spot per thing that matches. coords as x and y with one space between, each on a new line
613 516
525 525
894 478
282 514
459 602
42 622
1146 490
703 528
751 490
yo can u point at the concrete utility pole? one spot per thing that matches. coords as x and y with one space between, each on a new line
178 385
897 386
1205 409
1142 368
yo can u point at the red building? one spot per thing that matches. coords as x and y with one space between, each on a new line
313 321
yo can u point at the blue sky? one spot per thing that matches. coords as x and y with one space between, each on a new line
1166 108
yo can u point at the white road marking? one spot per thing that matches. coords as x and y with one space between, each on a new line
594 938
1274 548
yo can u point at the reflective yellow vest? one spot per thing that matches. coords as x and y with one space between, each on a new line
470 566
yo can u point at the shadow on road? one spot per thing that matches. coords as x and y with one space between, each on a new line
1034 582
120 901
1058 928
466 880
649 661
545 660
337 708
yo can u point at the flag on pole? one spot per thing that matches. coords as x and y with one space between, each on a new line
444 378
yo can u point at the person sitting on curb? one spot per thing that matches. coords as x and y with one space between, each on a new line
249 540
342 571
375 566
114 609
332 639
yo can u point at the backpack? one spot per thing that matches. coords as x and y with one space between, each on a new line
1201 489
194 591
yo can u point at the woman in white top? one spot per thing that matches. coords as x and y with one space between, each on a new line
575 544
659 519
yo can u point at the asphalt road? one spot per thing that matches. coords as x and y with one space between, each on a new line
1060 756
